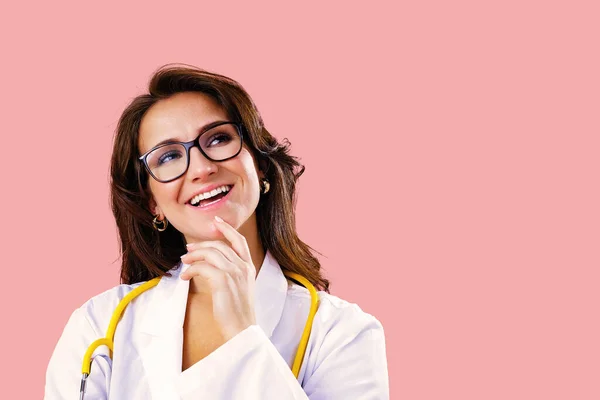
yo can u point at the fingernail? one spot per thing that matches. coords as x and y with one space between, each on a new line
218 218
188 245
183 256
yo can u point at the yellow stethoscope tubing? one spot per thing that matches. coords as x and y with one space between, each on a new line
314 305
112 326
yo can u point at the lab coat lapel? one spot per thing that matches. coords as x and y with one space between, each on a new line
161 328
162 335
270 294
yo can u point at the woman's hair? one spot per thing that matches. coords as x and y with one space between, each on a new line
147 253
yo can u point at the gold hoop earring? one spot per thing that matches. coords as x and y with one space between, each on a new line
160 225
265 185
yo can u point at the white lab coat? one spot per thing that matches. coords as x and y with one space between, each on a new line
345 358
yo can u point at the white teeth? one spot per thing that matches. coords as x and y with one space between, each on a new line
207 195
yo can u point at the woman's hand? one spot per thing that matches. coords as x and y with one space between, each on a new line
227 275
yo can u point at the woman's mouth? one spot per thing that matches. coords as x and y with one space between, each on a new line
214 197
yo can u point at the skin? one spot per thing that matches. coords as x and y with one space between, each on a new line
223 245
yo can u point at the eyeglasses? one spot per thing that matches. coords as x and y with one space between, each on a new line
167 162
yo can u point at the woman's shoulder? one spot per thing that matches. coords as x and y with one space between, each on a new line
98 310
333 310
110 297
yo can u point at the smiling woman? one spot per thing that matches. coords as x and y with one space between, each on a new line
222 297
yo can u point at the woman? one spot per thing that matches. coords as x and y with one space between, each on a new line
203 197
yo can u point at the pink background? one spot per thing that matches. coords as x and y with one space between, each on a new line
452 171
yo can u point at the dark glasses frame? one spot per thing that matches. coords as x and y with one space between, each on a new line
194 143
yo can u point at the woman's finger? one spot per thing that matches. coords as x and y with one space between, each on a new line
200 268
212 256
212 279
223 247
237 240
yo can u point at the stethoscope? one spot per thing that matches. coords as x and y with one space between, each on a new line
114 320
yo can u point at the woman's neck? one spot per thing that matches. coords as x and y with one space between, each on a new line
250 231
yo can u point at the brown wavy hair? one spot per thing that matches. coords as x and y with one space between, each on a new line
147 253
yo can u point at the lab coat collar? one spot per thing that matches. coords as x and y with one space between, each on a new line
165 312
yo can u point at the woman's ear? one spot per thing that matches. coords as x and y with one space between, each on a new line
154 209
262 168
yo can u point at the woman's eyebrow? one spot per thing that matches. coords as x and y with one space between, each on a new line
200 131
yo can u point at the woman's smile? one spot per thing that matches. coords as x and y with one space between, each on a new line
211 199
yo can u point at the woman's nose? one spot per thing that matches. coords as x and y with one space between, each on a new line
200 167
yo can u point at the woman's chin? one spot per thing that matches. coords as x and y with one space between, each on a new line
208 233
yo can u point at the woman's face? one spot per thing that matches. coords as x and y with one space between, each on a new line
181 118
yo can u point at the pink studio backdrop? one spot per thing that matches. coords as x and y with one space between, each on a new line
451 153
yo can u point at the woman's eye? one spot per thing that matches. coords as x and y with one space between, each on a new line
219 138
169 156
